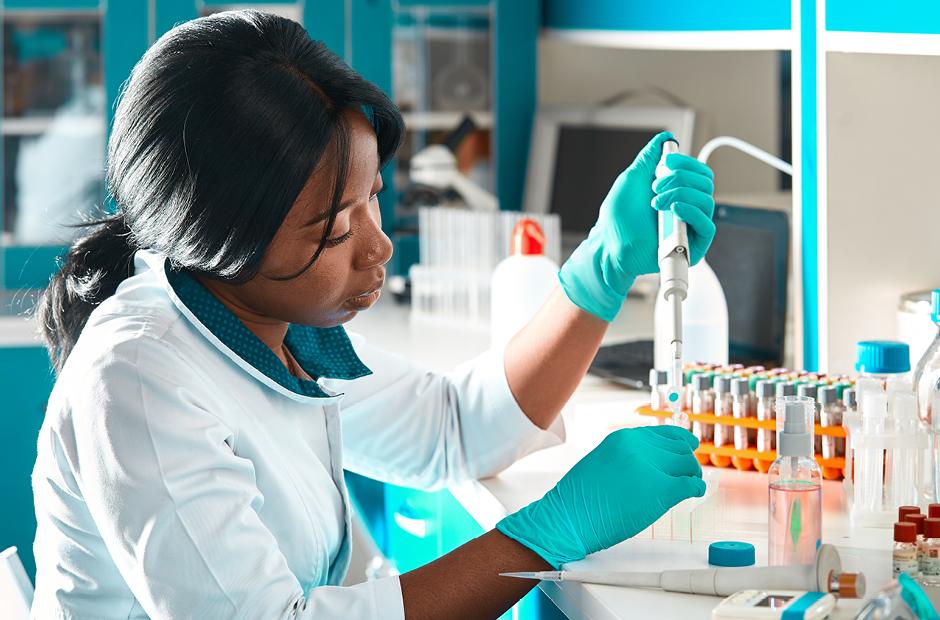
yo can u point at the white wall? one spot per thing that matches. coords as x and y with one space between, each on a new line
883 201
734 93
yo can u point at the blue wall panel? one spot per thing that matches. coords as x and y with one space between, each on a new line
514 94
324 20
51 4
675 15
25 383
900 16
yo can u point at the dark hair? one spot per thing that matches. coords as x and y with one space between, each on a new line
218 129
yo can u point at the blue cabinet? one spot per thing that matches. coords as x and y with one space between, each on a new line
678 15
413 528
25 383
898 16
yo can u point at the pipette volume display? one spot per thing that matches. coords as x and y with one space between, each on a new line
674 278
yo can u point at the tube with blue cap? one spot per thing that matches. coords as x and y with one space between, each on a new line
674 287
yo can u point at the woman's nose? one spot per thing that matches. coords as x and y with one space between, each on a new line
377 249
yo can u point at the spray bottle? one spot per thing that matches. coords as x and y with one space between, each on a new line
795 494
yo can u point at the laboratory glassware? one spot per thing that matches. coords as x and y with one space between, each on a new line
741 398
904 552
830 415
703 401
930 559
927 386
723 407
795 486
766 438
659 384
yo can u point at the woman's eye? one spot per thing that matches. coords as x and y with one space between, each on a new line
338 240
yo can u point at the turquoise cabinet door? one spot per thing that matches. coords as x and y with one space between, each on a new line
677 15
25 383
897 16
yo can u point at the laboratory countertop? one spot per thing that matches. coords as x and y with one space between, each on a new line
735 507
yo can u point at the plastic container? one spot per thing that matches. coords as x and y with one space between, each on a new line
882 360
795 486
521 283
704 321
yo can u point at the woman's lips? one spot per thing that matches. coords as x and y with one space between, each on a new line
365 300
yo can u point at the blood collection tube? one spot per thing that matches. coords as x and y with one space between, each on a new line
723 406
740 407
809 390
831 415
703 401
766 437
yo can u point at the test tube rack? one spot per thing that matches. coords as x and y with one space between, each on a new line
750 458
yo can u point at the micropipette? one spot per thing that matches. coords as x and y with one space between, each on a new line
824 575
674 277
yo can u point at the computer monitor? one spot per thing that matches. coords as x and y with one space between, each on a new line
577 151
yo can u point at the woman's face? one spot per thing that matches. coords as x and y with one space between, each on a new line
350 270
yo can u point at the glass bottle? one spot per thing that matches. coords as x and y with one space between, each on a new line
930 559
795 486
904 554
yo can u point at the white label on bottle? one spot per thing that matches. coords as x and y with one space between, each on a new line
905 561
931 561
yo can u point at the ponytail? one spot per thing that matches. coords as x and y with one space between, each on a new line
92 270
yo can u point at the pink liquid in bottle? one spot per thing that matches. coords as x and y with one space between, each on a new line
795 521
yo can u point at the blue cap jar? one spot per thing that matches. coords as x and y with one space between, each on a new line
882 357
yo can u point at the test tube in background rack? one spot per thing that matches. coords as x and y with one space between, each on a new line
740 407
766 437
723 406
830 415
703 401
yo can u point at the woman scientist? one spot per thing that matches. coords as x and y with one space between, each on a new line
208 398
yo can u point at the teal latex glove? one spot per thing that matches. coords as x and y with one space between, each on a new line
615 492
623 243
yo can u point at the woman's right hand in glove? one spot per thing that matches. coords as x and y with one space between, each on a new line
619 489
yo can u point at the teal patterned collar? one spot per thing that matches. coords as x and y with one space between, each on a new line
321 352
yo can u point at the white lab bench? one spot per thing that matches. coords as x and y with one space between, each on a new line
596 407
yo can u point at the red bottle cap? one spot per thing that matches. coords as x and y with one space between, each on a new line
918 521
905 532
933 511
527 238
903 511
931 528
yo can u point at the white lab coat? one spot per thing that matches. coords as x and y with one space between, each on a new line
176 480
